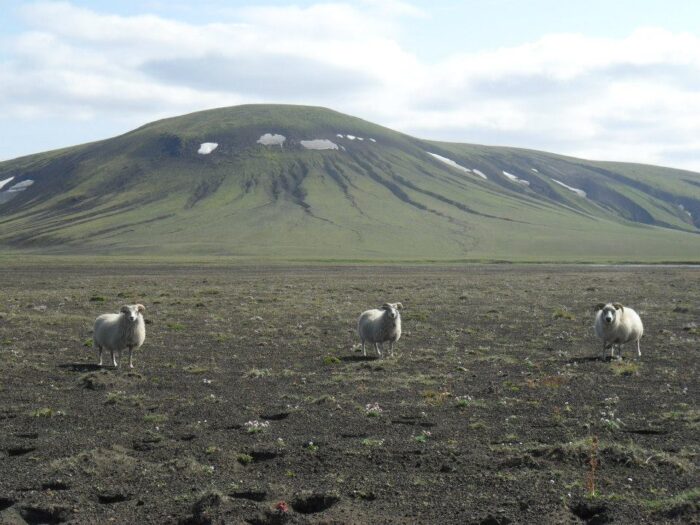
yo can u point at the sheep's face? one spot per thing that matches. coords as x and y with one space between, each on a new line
392 310
132 311
610 312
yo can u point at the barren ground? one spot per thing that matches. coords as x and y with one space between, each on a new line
492 410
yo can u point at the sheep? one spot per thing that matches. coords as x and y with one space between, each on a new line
115 332
380 325
616 325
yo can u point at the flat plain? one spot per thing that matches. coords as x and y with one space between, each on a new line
250 401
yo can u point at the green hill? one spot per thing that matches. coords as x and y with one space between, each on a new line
380 195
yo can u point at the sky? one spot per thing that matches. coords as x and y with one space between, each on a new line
609 80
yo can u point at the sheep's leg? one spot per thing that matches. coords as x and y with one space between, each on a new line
379 352
619 352
639 350
99 355
364 350
131 363
391 348
114 360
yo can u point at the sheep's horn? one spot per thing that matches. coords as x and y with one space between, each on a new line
386 306
599 306
141 308
124 308
398 306
618 306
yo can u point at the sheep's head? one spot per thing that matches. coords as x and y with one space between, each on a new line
132 311
392 309
610 311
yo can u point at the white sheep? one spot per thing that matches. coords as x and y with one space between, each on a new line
380 325
115 332
616 325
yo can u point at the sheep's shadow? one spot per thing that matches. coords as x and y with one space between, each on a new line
589 359
358 358
81 367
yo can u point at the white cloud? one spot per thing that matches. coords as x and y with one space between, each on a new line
632 98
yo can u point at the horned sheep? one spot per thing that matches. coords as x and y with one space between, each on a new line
380 325
115 332
616 325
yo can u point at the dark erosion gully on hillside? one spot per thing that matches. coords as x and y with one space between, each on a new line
387 196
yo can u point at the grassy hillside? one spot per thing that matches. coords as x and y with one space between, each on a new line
149 192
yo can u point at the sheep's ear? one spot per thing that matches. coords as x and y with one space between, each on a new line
124 309
599 306
618 306
386 306
398 306
141 308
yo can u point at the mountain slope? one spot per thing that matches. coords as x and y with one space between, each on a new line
378 194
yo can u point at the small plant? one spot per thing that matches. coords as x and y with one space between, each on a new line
373 410
290 474
563 314
624 368
331 360
254 426
370 442
311 446
177 327
610 420
97 299
468 401
422 437
88 343
45 412
255 373
592 467
155 418
195 369
282 507
244 459
434 397
211 450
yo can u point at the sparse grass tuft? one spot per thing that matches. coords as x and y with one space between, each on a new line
195 369
255 373
433 397
331 360
691 496
244 459
563 314
625 368
45 412
155 418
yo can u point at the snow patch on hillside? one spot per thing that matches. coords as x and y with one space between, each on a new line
205 148
479 173
6 181
20 186
535 170
516 179
577 191
449 162
319 144
351 137
372 139
271 139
